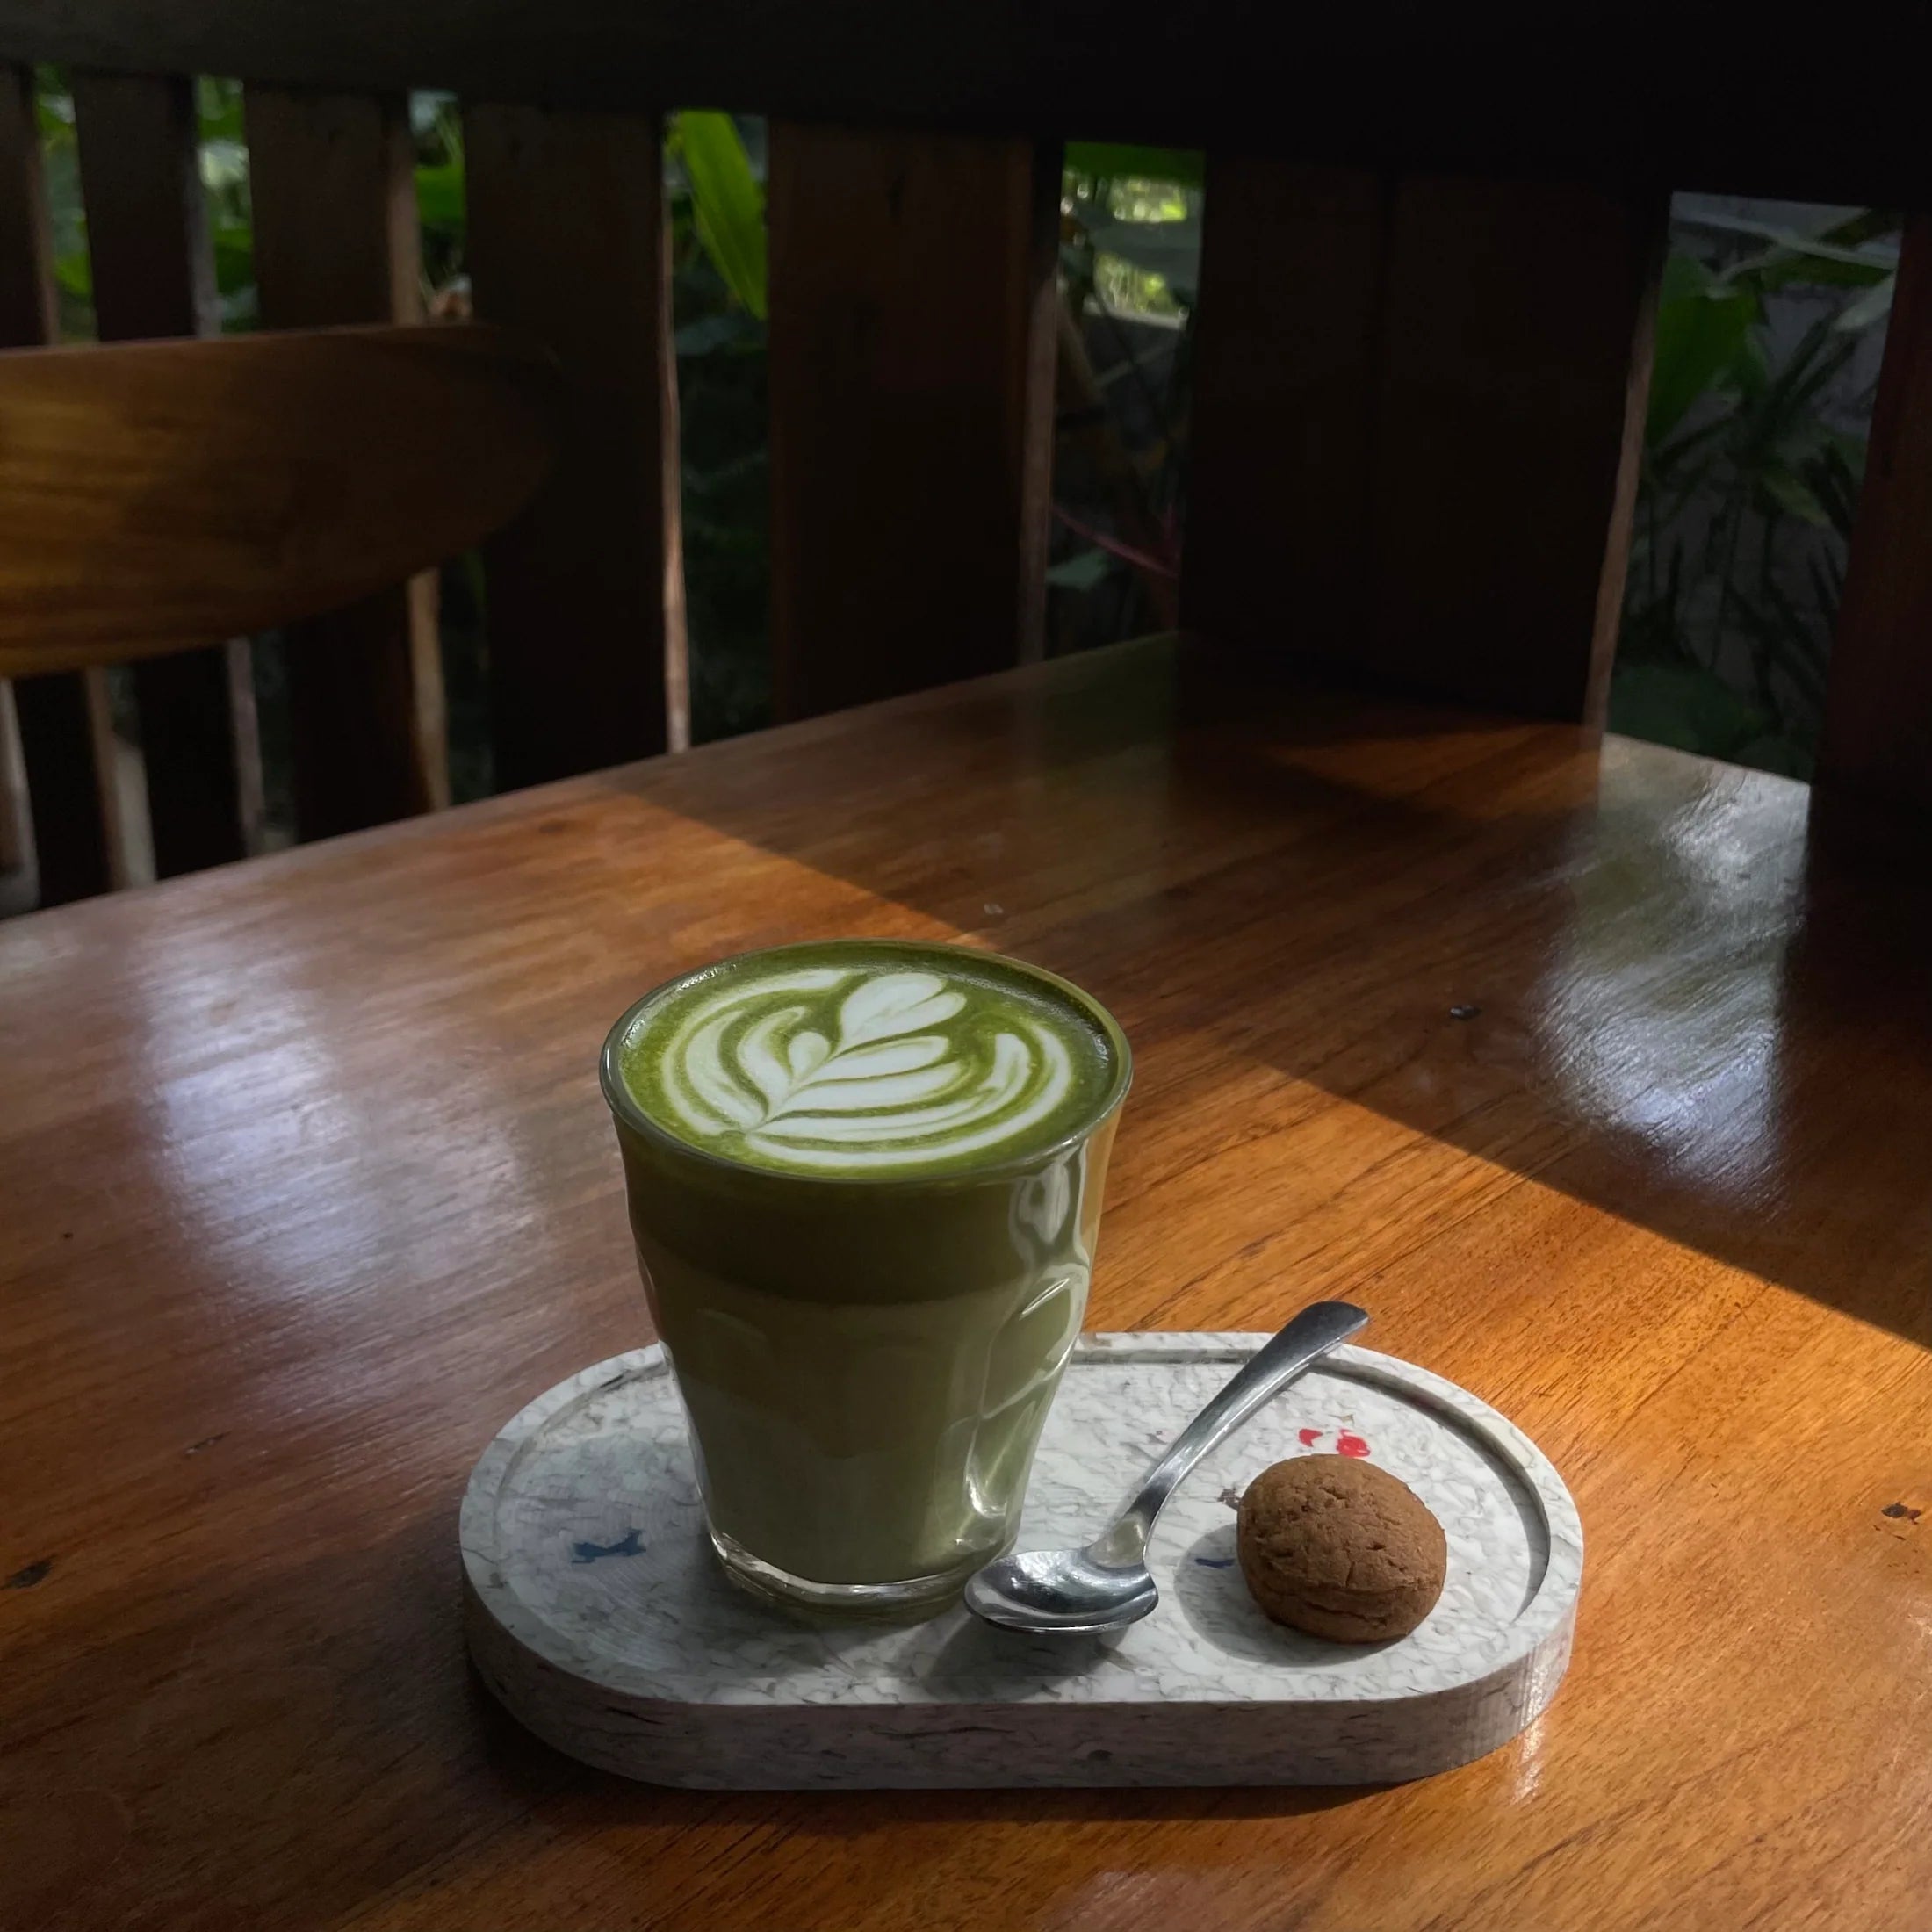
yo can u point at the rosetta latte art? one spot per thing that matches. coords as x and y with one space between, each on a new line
839 1068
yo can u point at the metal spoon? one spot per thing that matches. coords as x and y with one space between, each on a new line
1106 1586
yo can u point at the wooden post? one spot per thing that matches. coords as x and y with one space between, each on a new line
1287 363
154 275
1418 427
567 247
332 180
911 405
1878 706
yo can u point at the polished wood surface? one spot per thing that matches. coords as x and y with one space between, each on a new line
1472 87
1426 477
1601 1077
155 494
332 190
152 267
911 408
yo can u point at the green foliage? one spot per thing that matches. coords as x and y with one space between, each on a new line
1748 489
1184 167
728 204
1131 221
225 185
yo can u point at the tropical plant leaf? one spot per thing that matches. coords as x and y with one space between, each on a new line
1791 493
439 197
727 203
1703 342
1870 309
1186 167
1684 705
1085 570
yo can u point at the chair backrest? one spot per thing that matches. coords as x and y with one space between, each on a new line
154 495
1422 347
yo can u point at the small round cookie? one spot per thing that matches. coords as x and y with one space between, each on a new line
1340 1549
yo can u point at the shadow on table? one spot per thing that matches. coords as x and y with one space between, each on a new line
1640 978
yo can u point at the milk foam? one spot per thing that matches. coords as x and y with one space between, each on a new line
868 1064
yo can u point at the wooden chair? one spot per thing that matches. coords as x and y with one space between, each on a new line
1423 339
154 495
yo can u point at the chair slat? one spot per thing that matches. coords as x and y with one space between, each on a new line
567 245
154 275
911 407
69 827
1430 482
1878 706
155 493
333 186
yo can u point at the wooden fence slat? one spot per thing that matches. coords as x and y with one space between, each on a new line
1286 370
1877 733
332 183
70 838
17 883
27 263
64 802
154 275
1515 375
912 360
1490 344
567 247
27 316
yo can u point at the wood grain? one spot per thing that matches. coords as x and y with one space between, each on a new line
1599 1077
332 185
70 856
1878 735
567 245
1442 89
1425 478
911 409
152 274
158 494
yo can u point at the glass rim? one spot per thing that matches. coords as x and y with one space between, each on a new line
627 1110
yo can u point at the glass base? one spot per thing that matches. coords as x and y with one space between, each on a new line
905 1602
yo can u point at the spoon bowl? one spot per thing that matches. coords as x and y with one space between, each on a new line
1107 1585
1060 1590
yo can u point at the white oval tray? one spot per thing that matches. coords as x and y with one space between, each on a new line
598 1616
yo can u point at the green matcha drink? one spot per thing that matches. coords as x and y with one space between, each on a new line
865 1182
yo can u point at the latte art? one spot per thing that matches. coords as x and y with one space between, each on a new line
877 1065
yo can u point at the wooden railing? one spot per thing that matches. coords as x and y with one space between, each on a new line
1415 434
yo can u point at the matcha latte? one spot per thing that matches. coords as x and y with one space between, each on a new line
865 1181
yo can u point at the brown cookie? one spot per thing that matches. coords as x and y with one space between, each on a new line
1336 1546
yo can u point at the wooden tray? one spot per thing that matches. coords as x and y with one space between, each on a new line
598 1616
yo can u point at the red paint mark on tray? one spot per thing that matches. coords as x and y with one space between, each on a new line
1310 1437
1349 1446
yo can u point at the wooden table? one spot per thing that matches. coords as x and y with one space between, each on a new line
1601 1081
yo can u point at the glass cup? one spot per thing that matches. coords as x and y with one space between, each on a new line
866 1361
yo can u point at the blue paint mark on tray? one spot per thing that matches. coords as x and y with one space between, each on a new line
627 1544
1215 1562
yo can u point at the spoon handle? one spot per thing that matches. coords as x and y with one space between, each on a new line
1318 1328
